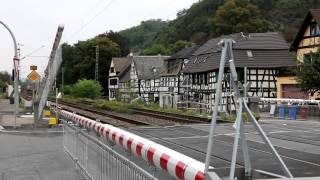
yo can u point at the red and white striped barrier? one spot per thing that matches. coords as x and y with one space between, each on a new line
280 100
176 164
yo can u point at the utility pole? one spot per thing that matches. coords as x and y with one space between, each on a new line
96 74
15 74
62 80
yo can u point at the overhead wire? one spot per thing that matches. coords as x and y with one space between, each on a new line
91 20
86 13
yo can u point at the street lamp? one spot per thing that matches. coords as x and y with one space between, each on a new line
16 73
154 70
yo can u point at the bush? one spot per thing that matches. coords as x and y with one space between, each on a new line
87 89
67 89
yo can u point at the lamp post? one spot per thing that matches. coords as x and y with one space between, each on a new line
16 74
154 70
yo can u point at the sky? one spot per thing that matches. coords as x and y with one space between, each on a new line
35 22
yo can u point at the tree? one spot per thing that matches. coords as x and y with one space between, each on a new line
239 16
141 36
120 40
4 79
156 49
308 74
87 89
79 60
177 46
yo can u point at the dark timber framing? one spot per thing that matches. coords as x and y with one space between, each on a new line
258 58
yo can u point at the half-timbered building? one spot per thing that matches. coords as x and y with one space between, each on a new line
119 75
306 43
172 83
145 76
258 59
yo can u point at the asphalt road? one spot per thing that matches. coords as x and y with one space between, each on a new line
298 143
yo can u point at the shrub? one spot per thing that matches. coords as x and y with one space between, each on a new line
67 89
87 89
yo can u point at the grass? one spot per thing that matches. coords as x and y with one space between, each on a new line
233 117
122 107
3 96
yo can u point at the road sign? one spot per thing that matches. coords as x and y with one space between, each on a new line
33 68
33 76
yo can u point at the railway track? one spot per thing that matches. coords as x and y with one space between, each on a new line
145 117
173 116
91 109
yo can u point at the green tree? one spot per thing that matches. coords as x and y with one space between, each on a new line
156 49
4 79
239 16
120 40
87 89
308 74
79 60
177 46
144 34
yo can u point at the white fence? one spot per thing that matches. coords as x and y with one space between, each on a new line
96 160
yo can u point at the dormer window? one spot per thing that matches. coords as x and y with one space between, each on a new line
112 70
250 54
314 29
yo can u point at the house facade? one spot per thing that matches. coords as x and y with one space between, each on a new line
306 43
118 76
259 57
172 82
145 76
136 76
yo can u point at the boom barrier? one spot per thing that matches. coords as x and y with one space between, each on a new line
176 164
96 160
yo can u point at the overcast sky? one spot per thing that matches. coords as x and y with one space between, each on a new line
34 23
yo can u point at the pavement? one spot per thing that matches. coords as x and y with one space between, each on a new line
298 143
7 118
32 154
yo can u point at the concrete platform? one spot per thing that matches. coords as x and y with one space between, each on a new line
35 155
298 143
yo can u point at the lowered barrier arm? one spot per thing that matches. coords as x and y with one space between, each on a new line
176 164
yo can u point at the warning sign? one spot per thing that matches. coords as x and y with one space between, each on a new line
33 76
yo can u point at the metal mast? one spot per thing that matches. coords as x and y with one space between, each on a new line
16 62
96 73
241 106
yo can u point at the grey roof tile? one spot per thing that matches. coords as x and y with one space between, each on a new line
145 64
269 50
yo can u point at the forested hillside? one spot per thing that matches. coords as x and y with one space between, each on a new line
205 19
211 18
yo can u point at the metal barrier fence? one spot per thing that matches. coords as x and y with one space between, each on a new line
96 160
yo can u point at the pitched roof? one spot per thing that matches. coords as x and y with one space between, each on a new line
269 50
184 53
145 65
176 61
121 66
312 14
120 63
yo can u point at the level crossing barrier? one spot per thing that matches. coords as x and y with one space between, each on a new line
176 164
96 160
291 108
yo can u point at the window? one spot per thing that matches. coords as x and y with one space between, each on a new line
307 57
314 29
112 70
113 82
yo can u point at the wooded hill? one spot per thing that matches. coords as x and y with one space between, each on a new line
212 18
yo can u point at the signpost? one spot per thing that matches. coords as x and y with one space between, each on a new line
33 76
